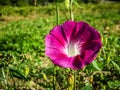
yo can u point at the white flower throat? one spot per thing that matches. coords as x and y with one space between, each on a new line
72 49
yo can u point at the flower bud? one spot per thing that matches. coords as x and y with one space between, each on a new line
71 79
91 79
27 71
67 4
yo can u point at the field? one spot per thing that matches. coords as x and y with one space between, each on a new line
24 65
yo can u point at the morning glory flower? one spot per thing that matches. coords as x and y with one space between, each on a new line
72 44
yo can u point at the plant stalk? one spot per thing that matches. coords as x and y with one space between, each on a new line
70 10
74 80
57 12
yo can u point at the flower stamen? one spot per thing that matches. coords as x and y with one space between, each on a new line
72 50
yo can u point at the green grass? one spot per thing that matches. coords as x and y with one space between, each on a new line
23 64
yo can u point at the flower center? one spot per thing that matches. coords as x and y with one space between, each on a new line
72 50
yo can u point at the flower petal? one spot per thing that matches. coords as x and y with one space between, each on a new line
51 41
79 29
72 37
69 62
77 63
59 34
90 50
54 48
83 32
68 28
55 53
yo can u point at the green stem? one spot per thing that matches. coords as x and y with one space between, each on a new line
70 9
57 12
74 80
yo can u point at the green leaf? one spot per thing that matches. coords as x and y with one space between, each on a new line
96 65
116 65
113 85
88 87
17 73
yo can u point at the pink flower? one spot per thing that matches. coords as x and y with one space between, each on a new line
72 44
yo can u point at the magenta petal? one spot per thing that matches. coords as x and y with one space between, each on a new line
79 30
63 62
68 28
90 50
72 44
63 32
52 42
83 33
59 34
55 53
78 63
69 62
54 49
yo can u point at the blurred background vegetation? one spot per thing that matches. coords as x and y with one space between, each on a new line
43 2
23 63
